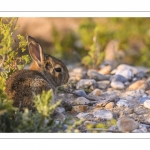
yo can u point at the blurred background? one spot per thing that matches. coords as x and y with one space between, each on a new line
91 41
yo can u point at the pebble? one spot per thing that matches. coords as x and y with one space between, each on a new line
81 101
103 84
80 93
97 92
141 130
127 124
82 115
147 104
127 67
103 114
109 105
89 123
85 83
119 78
105 70
141 75
122 103
140 84
97 76
125 73
79 108
143 99
117 85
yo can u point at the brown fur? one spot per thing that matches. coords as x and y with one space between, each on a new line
45 73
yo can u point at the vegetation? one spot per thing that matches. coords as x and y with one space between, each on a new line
133 35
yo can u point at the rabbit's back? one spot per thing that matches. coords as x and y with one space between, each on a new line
22 84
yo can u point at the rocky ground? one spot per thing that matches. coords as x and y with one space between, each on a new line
108 100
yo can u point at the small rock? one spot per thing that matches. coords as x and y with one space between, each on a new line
79 108
82 115
60 109
141 130
126 73
103 84
81 101
109 105
147 104
113 128
103 114
127 124
89 123
143 99
127 83
141 75
97 76
80 93
117 85
137 131
124 66
105 70
140 84
97 92
122 103
85 83
119 78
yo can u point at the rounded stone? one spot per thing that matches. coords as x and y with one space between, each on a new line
143 99
122 103
117 85
82 115
127 124
85 83
147 104
105 70
119 78
80 93
109 105
93 74
81 101
103 84
97 92
103 114
140 84
125 73
89 123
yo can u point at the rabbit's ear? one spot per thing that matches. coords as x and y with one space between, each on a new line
36 53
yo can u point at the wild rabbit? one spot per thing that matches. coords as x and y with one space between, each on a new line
45 73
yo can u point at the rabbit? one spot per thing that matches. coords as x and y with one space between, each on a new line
45 73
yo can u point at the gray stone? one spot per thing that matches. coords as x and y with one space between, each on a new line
103 84
117 85
122 103
82 115
118 78
126 73
128 67
89 123
81 101
80 93
103 114
143 99
85 83
97 76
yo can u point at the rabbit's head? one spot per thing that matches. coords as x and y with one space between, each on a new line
51 68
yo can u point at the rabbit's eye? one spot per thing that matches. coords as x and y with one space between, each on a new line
58 69
47 66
